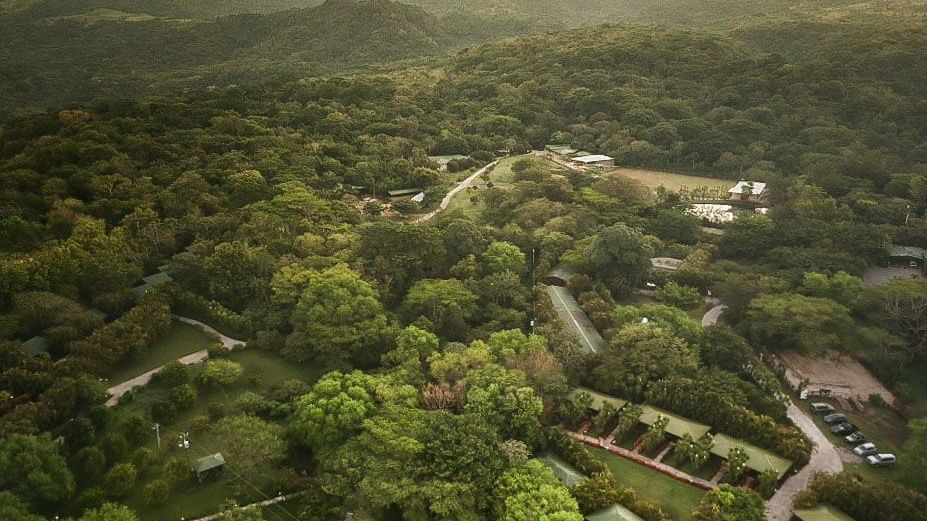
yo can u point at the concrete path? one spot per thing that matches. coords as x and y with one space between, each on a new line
711 317
824 458
466 183
117 391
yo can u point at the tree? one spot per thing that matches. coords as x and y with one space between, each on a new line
500 257
915 450
157 492
736 463
448 304
513 411
248 513
768 481
727 503
629 417
183 396
642 353
842 287
110 512
334 409
901 306
619 255
220 373
682 297
32 468
530 492
796 321
250 444
338 317
656 433
238 273
14 509
413 347
120 480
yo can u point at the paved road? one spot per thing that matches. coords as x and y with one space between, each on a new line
466 183
824 458
117 391
711 317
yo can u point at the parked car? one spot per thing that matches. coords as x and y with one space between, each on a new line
865 449
822 408
842 429
856 437
881 460
831 419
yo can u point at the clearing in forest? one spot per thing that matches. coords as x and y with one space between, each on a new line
653 179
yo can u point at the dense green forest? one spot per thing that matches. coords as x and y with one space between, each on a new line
403 370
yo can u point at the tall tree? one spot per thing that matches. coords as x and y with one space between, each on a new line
32 468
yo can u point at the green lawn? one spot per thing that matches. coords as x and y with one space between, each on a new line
676 498
262 370
182 339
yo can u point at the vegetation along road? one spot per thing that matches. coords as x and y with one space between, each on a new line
824 458
117 391
463 185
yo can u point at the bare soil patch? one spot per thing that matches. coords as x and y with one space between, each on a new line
843 375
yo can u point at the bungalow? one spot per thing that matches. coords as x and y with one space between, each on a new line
820 513
561 150
907 256
595 160
208 465
37 345
751 191
615 512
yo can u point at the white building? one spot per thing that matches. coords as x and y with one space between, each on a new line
752 191
595 160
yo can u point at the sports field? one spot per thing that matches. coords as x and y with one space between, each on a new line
653 179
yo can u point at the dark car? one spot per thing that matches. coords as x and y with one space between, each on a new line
855 438
822 408
831 419
842 429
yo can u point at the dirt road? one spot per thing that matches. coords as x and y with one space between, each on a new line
463 185
117 391
824 458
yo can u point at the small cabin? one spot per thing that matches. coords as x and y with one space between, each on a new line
749 191
209 466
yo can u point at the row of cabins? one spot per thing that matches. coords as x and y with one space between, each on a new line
760 460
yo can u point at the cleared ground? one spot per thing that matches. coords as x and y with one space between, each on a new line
842 374
653 179
879 276
676 498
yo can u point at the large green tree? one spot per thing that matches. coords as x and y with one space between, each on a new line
32 468
334 409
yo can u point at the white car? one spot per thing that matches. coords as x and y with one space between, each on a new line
881 460
865 449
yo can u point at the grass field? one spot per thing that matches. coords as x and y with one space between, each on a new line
676 498
182 339
262 370
653 179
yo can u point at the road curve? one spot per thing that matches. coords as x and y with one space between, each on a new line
466 183
117 391
711 317
824 458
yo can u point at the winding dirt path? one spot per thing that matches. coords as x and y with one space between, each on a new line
117 391
824 458
466 183
711 317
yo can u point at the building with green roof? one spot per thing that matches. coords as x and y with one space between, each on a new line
37 345
615 512
598 399
158 279
760 460
821 513
677 426
566 473
208 465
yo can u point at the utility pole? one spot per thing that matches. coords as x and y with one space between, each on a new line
184 443
157 428
907 215
534 292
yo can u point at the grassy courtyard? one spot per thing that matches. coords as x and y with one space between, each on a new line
676 498
180 340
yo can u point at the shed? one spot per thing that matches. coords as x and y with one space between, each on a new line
908 253
598 399
594 160
37 345
559 276
418 198
748 191
158 279
566 473
665 263
563 150
760 460
403 192
615 512
821 513
208 465
677 426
